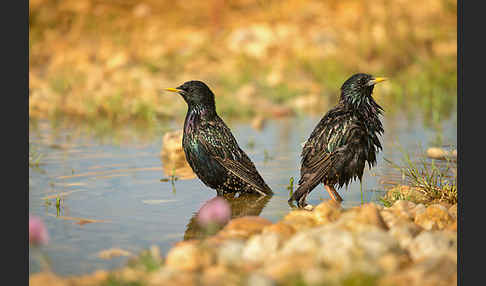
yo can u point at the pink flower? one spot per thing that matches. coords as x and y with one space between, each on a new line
216 210
37 231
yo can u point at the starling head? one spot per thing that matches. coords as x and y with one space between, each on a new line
358 87
195 93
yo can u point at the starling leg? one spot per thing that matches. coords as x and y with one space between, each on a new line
333 193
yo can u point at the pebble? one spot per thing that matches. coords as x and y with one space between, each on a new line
405 244
244 227
433 244
188 256
230 252
300 219
283 229
435 217
405 233
327 212
256 279
261 247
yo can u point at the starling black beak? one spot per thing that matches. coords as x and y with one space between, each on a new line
173 89
376 80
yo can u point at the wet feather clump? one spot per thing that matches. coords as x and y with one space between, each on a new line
211 149
343 141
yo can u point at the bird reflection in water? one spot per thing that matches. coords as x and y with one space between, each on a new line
242 205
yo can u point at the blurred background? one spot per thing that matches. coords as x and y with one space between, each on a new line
106 168
108 59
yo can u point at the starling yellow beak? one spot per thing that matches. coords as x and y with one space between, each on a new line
173 89
377 80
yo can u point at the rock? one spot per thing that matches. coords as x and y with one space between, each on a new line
98 277
362 218
218 276
161 276
441 154
283 229
452 227
405 208
390 263
435 217
258 122
374 244
113 252
256 279
314 276
244 227
405 233
369 214
230 252
261 247
419 209
445 204
301 243
281 268
184 279
164 276
129 275
300 219
188 256
402 212
433 271
326 212
336 246
173 159
172 144
434 244
390 218
453 211
46 278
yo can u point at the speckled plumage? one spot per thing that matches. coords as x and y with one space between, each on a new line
211 149
343 141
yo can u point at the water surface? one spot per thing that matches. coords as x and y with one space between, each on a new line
117 183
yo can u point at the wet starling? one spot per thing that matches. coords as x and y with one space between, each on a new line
343 141
210 148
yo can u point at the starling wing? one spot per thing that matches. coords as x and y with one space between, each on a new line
220 145
334 152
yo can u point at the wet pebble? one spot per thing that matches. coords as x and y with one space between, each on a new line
244 227
188 256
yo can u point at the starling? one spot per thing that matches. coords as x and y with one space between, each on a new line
343 141
210 148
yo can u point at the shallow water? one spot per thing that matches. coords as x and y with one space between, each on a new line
117 183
